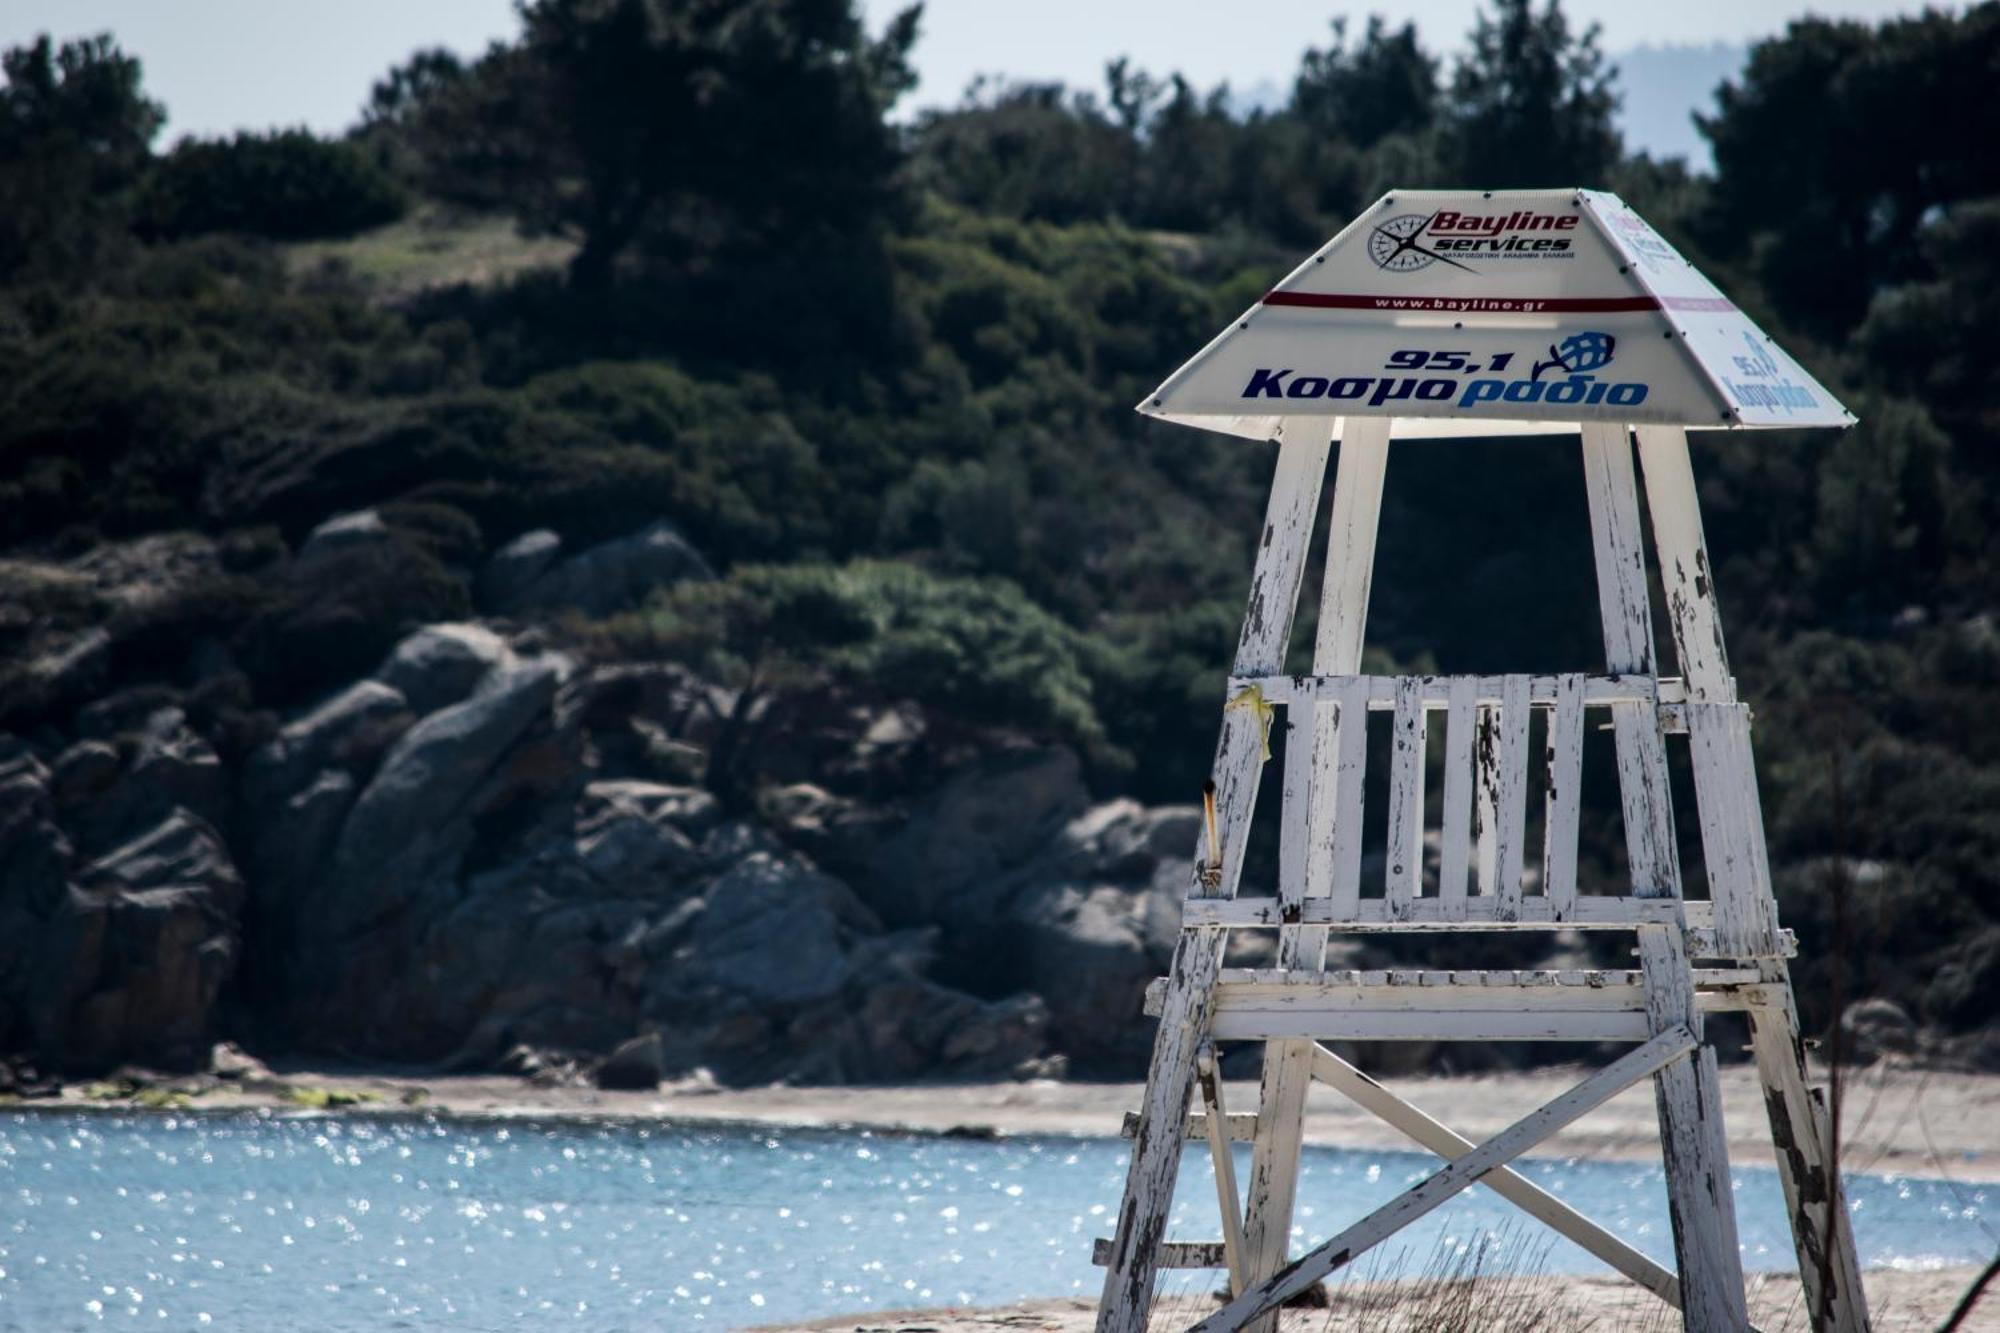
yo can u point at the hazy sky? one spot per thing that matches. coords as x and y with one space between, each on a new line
221 65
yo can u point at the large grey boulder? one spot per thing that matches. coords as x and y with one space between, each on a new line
957 857
775 929
430 774
162 766
611 576
344 532
513 569
443 664
347 731
139 952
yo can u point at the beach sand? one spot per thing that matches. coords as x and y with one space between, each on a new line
1898 1303
1897 1120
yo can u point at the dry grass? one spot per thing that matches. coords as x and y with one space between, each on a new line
429 249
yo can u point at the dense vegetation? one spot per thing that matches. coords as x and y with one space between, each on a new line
881 376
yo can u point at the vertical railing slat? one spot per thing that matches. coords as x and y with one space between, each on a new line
1565 777
1512 797
1455 821
1350 771
1405 854
1294 822
1486 796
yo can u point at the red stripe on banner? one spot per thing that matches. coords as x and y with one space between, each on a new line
1499 305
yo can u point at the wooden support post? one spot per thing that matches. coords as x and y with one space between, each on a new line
1628 649
1223 1159
1822 1231
1342 734
1156 1151
1699 1195
1700 1199
1661 1051
1725 777
1739 877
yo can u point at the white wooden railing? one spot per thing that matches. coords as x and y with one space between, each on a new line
1483 827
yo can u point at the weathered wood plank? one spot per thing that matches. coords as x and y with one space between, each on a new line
1403 875
1509 1184
1437 1189
1380 697
1628 650
1822 1228
1486 800
1172 1254
1700 1201
1455 820
1267 625
1595 912
1732 829
1223 1159
1588 977
1564 768
1689 584
1331 780
1511 828
1295 814
1241 1126
1349 784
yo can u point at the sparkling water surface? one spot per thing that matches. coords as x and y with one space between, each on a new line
263 1221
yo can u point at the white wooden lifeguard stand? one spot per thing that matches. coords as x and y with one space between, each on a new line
1471 313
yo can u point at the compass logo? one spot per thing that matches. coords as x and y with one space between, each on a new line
1398 245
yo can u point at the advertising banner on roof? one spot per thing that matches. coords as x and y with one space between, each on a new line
1487 313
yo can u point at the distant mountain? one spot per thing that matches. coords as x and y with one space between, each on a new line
1664 86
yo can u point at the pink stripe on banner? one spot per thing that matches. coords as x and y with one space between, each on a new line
1499 304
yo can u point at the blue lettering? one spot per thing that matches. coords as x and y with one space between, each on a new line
1390 389
1266 383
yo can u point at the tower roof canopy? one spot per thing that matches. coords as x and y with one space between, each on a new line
1501 312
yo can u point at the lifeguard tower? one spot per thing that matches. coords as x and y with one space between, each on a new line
1469 313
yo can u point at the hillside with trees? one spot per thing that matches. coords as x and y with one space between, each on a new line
633 470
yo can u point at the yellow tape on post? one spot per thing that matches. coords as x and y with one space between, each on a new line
1251 697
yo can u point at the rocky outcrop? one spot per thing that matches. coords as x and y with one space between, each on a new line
455 860
530 575
485 847
119 901
1029 888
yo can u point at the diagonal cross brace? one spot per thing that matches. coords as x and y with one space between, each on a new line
1435 1190
1509 1184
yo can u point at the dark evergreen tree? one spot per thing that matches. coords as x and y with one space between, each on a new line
696 130
1386 84
75 131
1532 104
1827 169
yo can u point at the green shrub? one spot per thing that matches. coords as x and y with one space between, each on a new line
289 185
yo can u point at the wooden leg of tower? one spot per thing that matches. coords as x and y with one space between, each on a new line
1163 1118
1822 1231
1699 1197
1306 865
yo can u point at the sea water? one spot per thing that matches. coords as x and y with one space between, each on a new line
260 1221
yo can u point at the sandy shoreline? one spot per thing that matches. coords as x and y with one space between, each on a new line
1899 1302
1898 1121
